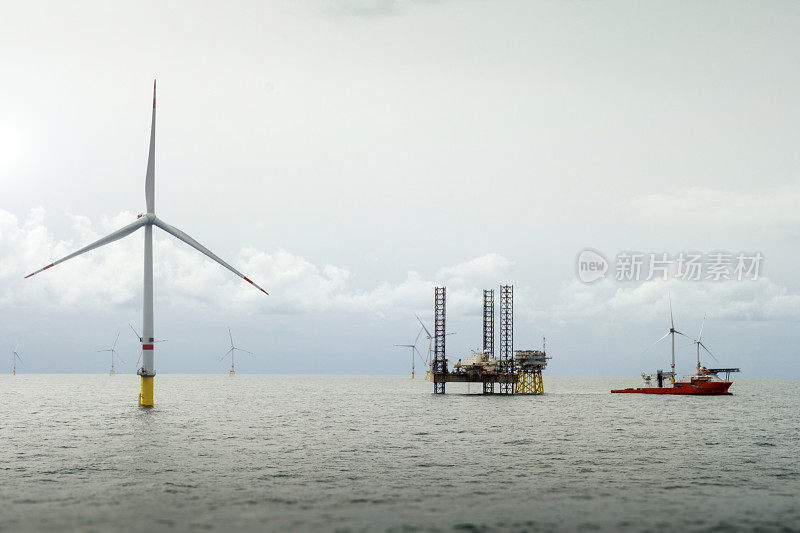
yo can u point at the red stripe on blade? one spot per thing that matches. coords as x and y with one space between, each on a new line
48 266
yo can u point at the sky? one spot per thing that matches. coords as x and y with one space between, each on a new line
351 155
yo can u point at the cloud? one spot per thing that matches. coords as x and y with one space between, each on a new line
112 276
758 300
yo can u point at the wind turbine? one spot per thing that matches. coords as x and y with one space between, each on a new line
232 352
14 357
430 338
699 343
113 351
672 331
147 221
413 350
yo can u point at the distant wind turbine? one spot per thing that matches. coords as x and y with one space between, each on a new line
413 350
430 339
232 352
147 221
14 357
113 351
698 342
672 331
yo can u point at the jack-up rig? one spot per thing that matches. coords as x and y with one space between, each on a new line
515 372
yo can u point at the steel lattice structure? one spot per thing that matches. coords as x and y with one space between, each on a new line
506 334
488 322
439 360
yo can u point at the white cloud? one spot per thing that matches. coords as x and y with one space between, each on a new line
732 300
184 278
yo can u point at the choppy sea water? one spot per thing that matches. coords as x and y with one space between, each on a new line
356 453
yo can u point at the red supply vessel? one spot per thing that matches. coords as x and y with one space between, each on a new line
705 381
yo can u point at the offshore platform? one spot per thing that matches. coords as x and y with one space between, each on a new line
512 372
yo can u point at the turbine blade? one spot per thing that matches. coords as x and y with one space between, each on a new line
245 351
701 328
659 340
420 355
226 354
230 335
671 321
175 232
150 179
709 351
135 332
687 336
418 334
115 341
428 333
117 235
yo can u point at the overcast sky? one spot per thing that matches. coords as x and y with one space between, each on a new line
350 155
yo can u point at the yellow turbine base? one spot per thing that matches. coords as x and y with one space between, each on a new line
146 396
232 374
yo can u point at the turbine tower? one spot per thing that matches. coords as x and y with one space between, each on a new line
232 352
148 220
113 351
14 357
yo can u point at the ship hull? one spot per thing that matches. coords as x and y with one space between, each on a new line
708 388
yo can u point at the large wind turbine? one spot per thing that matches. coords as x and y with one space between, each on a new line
672 331
147 221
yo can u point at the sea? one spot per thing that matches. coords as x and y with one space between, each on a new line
382 453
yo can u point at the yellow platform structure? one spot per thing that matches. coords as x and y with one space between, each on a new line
529 382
